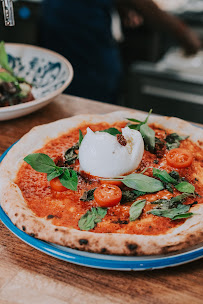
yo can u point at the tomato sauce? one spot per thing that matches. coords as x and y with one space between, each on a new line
65 208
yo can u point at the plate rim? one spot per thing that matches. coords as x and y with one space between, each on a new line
49 96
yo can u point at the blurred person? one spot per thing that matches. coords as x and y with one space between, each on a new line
81 30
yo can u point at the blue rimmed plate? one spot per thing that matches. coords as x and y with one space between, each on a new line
48 72
101 261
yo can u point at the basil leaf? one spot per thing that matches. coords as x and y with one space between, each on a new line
69 179
182 216
40 162
170 203
180 198
137 126
142 183
134 120
4 58
185 187
80 137
70 155
164 176
170 213
89 220
88 195
175 175
136 209
173 140
148 135
57 172
130 196
168 187
112 131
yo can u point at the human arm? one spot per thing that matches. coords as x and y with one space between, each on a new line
163 21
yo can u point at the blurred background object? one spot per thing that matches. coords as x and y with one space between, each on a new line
156 74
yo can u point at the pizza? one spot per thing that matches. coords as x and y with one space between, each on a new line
121 183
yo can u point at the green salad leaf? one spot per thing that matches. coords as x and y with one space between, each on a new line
4 58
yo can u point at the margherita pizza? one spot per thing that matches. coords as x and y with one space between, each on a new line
120 183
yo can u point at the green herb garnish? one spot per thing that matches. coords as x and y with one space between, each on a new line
139 122
70 154
112 131
168 179
148 133
185 187
164 176
130 195
80 137
41 162
181 211
88 195
173 140
172 208
89 220
140 182
136 209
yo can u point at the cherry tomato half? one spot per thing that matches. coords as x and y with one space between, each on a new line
56 185
107 195
179 158
112 182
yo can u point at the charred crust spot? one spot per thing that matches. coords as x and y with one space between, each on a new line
50 216
56 229
16 214
156 161
132 247
196 179
103 250
121 139
32 234
83 242
23 227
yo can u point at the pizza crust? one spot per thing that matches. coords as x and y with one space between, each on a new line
13 203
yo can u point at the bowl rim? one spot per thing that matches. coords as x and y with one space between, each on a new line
49 96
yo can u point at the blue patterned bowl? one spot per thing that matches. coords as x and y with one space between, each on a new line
49 73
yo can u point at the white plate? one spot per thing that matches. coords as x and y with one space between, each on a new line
49 73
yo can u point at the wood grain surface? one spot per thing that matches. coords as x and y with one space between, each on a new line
28 276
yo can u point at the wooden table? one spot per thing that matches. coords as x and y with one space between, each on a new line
29 276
